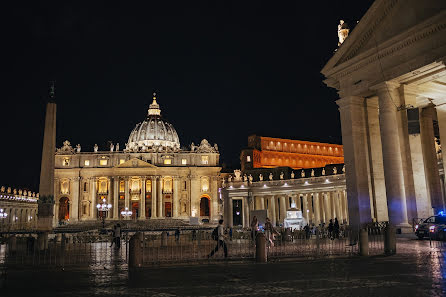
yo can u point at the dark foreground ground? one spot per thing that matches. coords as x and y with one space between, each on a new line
418 270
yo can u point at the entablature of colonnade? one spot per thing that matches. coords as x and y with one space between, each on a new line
394 41
279 187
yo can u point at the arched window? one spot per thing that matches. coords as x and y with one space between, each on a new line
204 206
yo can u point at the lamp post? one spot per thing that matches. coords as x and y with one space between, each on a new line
126 213
3 215
103 208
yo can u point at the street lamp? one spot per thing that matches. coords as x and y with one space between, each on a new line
3 214
126 213
103 208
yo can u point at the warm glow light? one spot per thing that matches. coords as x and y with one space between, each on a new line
87 162
103 162
183 161
167 161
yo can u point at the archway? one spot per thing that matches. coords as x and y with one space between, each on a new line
64 209
204 207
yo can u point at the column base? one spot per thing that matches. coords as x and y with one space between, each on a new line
403 228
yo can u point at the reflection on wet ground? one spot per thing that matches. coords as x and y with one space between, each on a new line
417 270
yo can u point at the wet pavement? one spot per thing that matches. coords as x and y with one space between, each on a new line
417 270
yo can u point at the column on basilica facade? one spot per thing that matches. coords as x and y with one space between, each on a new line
378 201
355 145
338 208
126 192
310 208
214 198
154 198
391 149
160 197
176 199
109 197
327 209
427 116
272 210
283 208
93 195
75 200
115 180
246 219
441 118
305 207
322 207
142 206
317 213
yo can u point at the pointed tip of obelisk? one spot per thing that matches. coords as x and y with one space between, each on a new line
52 92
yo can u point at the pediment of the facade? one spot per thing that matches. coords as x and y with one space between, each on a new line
135 163
388 28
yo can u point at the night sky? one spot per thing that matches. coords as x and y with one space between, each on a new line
222 72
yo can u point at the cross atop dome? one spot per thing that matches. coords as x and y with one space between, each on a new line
154 108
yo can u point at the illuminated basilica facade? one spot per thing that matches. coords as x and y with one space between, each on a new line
151 176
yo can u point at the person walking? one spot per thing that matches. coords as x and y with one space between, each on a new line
254 227
269 232
177 234
221 240
116 236
336 228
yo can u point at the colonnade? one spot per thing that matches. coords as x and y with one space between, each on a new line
317 207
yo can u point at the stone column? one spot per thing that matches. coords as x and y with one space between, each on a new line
142 204
245 212
230 212
109 214
322 207
214 198
272 210
126 193
338 205
378 201
176 199
75 200
354 139
393 170
317 209
116 198
441 117
93 195
160 197
305 207
327 209
427 116
310 207
283 209
154 198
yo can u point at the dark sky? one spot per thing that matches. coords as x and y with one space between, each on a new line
222 72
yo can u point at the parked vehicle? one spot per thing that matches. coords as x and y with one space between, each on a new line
433 227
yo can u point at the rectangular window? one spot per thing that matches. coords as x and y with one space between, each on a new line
121 197
204 159
121 161
167 161
185 185
103 162
87 162
183 161
248 158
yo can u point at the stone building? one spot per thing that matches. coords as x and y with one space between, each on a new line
390 74
152 177
311 178
18 209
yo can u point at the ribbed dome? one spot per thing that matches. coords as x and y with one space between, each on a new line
154 133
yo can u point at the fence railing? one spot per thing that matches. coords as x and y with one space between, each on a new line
170 247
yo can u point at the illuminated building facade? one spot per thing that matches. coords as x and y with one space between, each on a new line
280 173
390 74
269 152
18 209
152 177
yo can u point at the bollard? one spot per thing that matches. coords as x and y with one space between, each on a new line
164 238
363 242
12 244
390 240
261 254
30 244
136 250
42 241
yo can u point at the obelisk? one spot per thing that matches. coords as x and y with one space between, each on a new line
46 189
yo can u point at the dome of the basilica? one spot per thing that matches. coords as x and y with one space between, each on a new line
154 133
